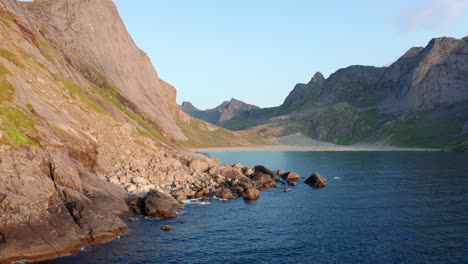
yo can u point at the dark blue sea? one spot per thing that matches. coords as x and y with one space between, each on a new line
379 207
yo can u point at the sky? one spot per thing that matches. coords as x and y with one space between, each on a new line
257 50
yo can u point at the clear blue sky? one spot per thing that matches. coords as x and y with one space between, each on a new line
257 50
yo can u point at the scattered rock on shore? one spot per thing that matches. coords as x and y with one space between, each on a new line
166 227
251 194
290 176
316 180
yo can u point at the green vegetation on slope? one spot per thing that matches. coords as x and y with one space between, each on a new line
77 90
18 126
419 134
201 134
6 91
11 57
426 131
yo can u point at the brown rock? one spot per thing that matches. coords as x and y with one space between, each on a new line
132 219
166 227
199 165
248 171
261 178
292 183
203 192
251 194
316 180
290 176
157 204
235 175
264 169
225 194
179 194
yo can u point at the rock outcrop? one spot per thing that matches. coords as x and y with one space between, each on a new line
316 180
251 194
161 205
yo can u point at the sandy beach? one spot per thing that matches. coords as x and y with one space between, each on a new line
308 148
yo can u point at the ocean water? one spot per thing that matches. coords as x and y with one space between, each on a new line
379 207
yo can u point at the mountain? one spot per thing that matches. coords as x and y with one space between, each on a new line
86 127
221 114
418 101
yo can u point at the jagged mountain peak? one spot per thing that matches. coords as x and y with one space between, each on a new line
318 78
227 110
188 107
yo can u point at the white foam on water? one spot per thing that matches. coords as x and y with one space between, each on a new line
336 178
220 199
195 201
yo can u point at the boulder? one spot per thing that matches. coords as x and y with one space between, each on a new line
290 176
237 176
248 171
236 189
135 204
203 192
139 180
225 194
261 178
264 169
179 194
266 186
251 194
263 181
166 227
157 204
316 180
199 165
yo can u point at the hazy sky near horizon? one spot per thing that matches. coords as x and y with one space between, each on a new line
257 50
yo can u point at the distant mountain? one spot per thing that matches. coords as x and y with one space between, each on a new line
219 115
421 100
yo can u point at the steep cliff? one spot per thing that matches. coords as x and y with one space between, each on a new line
85 122
94 31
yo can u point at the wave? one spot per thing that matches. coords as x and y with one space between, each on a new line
196 201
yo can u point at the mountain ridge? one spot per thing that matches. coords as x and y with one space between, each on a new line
224 112
425 88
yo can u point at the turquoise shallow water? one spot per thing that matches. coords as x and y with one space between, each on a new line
379 207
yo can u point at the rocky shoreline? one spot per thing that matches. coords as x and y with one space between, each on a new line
161 192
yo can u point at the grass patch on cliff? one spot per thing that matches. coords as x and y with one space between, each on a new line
78 91
11 57
17 124
6 91
3 71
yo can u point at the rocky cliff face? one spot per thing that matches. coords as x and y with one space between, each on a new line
226 111
94 31
418 101
424 79
85 122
